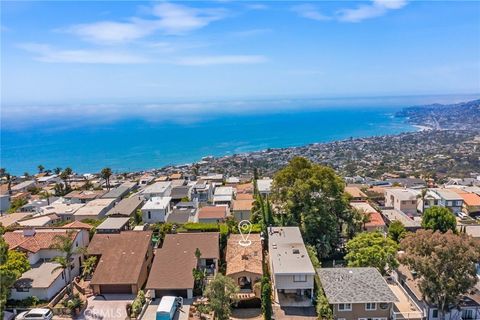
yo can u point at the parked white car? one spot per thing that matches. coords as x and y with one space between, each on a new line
36 314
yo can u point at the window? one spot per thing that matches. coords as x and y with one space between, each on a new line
435 313
22 289
467 314
370 306
299 278
345 307
383 306
149 215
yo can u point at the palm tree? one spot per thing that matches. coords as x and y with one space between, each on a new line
46 195
422 196
57 170
40 168
65 244
106 173
64 176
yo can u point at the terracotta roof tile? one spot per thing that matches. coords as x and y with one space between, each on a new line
240 258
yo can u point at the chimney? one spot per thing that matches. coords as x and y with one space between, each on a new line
28 232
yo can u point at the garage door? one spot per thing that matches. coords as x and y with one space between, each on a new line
115 288
175 293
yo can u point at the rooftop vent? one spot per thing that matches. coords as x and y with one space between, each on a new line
296 251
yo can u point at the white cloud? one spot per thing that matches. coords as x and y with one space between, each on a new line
256 6
168 18
179 19
376 9
220 59
46 53
110 32
310 12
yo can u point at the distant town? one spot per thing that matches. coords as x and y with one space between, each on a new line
374 228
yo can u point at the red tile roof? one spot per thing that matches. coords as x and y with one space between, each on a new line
212 212
43 239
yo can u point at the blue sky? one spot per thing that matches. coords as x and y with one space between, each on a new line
67 52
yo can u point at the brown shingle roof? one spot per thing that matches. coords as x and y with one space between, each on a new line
122 256
77 225
240 258
244 196
212 212
242 205
173 263
42 239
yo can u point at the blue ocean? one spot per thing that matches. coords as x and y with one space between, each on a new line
138 144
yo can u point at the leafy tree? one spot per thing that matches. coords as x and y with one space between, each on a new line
439 219
220 292
324 311
89 266
396 231
40 168
445 264
313 255
266 298
12 265
372 249
312 197
57 170
17 204
106 174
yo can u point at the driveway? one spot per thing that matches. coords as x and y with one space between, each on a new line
294 313
107 307
151 312
247 314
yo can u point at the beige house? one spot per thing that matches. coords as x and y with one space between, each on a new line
242 209
357 293
291 270
404 200
244 263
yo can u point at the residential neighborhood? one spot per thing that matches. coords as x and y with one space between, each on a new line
153 236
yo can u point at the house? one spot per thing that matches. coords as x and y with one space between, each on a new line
23 186
95 209
244 196
172 267
264 186
157 190
41 280
404 200
180 193
175 176
357 293
244 263
123 261
431 199
62 208
242 209
213 178
212 214
410 224
40 221
469 307
244 188
356 194
46 180
121 191
471 201
290 267
146 179
37 205
449 199
4 202
183 212
126 207
223 196
202 191
12 219
375 222
84 196
156 209
113 225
